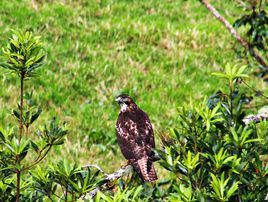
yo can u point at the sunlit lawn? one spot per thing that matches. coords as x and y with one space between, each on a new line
160 52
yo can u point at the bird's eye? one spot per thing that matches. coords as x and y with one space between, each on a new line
127 102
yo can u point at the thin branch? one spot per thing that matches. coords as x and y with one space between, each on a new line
39 157
256 118
21 105
95 166
234 33
61 197
66 193
19 137
18 186
255 91
110 177
260 6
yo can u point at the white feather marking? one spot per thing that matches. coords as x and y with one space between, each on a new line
148 124
132 126
120 130
123 107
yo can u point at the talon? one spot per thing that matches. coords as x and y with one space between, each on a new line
125 165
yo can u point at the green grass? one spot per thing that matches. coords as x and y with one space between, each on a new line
160 52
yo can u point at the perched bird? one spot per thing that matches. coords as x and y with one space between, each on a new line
135 137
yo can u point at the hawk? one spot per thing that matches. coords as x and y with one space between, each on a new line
135 137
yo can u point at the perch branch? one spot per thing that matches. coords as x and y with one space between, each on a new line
109 178
234 33
95 166
255 118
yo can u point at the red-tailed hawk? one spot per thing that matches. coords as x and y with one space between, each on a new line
135 137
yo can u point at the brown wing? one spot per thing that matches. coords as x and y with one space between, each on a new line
135 137
135 134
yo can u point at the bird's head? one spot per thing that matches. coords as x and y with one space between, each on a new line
125 101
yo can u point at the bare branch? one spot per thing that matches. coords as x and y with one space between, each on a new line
109 178
255 118
95 166
262 115
234 33
39 158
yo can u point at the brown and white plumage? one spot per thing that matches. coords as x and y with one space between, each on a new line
135 137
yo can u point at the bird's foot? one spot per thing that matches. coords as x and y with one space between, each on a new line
125 165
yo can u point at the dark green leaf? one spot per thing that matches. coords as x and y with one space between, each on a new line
16 114
35 115
34 146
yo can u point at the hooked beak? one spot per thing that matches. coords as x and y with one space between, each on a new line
118 100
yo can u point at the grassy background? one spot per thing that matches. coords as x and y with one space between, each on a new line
160 52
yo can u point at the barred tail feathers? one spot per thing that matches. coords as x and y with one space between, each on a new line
145 169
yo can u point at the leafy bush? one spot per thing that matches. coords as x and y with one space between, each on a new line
133 194
64 181
255 24
23 55
213 154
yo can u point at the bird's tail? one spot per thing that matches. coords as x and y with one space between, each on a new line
145 169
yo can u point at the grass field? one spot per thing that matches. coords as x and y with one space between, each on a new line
160 52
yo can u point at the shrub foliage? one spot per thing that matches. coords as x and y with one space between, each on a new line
23 55
213 154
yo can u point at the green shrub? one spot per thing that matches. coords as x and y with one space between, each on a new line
23 55
213 154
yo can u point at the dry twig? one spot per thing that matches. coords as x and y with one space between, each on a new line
109 178
234 33
255 118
